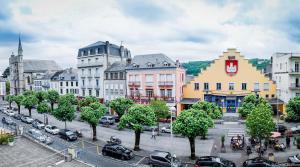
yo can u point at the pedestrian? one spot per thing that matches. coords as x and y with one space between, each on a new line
153 134
288 140
295 140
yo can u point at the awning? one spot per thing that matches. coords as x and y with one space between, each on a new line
275 101
189 100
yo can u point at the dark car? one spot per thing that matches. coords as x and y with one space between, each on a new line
116 118
281 128
294 159
259 162
67 135
213 161
117 151
107 120
163 159
8 121
17 116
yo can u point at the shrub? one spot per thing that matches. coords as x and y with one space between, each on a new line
5 138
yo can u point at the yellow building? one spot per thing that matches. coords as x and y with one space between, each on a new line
226 82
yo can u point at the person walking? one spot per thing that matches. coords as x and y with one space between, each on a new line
153 134
288 140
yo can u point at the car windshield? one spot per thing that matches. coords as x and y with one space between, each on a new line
121 148
298 156
110 118
53 127
69 133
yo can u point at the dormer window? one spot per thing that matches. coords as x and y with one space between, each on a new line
150 65
166 64
135 65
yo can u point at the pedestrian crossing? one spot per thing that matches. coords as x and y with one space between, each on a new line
236 131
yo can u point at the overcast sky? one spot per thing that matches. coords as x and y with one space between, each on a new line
185 30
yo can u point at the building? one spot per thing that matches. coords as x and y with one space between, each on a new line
65 81
43 82
93 60
226 82
2 88
286 73
115 81
155 76
23 72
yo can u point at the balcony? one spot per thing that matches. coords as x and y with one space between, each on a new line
90 64
294 86
147 99
149 84
294 71
134 83
165 83
97 75
97 86
90 76
89 86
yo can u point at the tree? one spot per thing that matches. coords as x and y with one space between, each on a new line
192 123
65 110
18 100
120 105
293 109
53 97
249 103
91 114
71 98
211 109
10 99
7 87
136 117
41 96
160 109
87 101
260 123
29 102
44 108
28 92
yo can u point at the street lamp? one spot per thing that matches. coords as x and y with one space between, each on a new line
172 110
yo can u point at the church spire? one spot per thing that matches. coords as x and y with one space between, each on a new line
20 50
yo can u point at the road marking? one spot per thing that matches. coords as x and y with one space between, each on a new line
186 165
59 162
140 161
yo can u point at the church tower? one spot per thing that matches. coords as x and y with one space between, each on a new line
17 84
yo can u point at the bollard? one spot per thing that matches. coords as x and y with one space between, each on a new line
98 149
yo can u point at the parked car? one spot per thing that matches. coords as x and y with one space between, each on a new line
9 113
117 151
149 128
38 135
296 129
259 162
17 116
163 159
213 161
107 120
166 129
51 129
8 121
67 135
26 119
38 124
281 128
116 118
294 159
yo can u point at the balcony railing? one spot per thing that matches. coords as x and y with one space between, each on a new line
165 83
134 83
294 86
89 86
149 84
97 86
97 75
147 99
90 64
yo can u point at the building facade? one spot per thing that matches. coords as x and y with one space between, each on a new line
286 73
93 60
226 82
2 88
65 82
115 81
154 76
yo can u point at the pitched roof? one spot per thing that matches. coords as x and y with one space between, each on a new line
156 60
117 66
69 74
40 66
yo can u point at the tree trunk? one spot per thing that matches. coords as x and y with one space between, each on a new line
52 104
29 109
19 108
192 145
259 148
137 140
94 132
46 119
10 105
65 124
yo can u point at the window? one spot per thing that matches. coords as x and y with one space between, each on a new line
97 70
196 86
61 91
115 75
121 75
219 86
267 96
72 83
244 86
266 86
97 93
256 86
76 83
206 86
169 92
231 86
149 78
67 90
111 75
149 92
162 92
61 83
90 71
280 66
106 75
169 77
67 83
297 94
90 92
273 95
296 66
82 71
83 92
97 82
82 61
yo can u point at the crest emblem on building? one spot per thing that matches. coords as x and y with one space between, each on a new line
231 67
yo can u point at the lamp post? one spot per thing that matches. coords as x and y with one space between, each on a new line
277 113
172 110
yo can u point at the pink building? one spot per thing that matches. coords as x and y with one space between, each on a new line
155 76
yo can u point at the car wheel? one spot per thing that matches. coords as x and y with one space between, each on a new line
68 139
123 157
104 153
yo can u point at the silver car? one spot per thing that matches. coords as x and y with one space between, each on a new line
52 129
38 135
163 159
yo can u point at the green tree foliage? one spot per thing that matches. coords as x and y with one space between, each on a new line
136 117
29 102
260 123
28 92
65 110
250 102
7 87
9 99
293 109
53 97
71 97
18 100
211 109
87 101
160 109
91 114
120 105
43 107
41 96
192 123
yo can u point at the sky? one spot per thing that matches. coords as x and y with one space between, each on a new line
184 30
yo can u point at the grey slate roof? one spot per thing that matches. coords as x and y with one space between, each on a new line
40 66
69 74
116 66
158 61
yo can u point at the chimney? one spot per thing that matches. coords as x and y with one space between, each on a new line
177 63
122 52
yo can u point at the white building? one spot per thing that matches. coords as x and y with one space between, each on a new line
65 81
286 73
2 88
93 60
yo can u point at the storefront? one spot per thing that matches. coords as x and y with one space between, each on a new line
226 82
